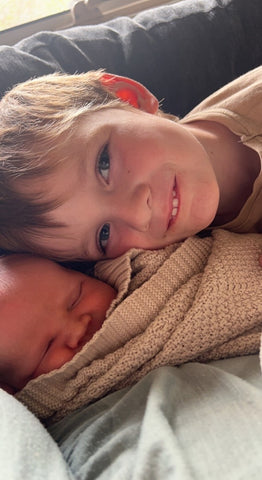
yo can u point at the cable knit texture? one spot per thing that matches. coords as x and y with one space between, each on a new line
194 301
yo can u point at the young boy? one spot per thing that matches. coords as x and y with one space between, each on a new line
48 313
89 166
198 300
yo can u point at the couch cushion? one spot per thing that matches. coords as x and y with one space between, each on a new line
182 52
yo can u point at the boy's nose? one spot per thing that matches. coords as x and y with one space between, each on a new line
135 209
77 330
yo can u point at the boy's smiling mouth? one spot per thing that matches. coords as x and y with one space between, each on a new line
174 205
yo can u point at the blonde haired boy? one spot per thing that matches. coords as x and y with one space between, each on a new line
90 167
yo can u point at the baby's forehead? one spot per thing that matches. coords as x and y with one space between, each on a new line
11 266
19 274
15 260
10 284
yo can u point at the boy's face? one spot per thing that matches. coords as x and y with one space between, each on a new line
47 314
135 180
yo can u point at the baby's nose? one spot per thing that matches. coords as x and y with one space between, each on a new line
77 332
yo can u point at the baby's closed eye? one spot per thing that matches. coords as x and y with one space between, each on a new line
76 296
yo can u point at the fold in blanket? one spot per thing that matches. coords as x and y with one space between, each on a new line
195 301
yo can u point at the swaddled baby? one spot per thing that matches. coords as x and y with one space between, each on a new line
197 300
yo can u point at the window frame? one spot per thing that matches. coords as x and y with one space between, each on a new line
82 13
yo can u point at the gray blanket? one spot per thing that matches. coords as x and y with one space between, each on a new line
193 422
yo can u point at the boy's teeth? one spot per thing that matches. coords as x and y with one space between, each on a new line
175 202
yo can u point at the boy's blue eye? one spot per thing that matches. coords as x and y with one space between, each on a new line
103 164
104 235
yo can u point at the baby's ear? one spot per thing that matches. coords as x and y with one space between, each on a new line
130 91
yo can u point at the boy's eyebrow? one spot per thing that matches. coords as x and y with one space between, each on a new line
87 144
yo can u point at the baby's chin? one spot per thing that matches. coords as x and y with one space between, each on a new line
9 389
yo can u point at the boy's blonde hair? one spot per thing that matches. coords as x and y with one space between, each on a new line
37 121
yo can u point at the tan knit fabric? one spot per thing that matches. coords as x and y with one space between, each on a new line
198 300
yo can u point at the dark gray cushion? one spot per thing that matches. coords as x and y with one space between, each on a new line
181 52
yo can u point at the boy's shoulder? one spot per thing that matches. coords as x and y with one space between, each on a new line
237 105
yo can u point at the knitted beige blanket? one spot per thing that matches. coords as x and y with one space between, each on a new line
195 301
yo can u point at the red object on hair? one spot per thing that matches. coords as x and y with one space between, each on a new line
126 94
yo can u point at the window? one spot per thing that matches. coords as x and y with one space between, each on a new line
17 12
22 18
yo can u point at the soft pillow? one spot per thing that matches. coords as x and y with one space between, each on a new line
182 52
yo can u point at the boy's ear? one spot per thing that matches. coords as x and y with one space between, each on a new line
130 91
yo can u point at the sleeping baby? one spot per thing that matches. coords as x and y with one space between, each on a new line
68 339
47 314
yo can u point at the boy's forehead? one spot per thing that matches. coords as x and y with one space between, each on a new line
93 123
89 131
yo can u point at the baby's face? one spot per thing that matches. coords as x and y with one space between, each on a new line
134 180
47 314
